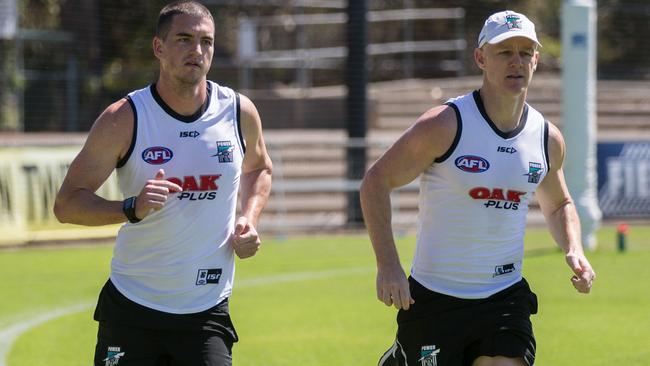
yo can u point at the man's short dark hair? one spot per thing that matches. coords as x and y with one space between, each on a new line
179 7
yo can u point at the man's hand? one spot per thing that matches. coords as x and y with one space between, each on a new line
154 194
393 287
584 274
245 240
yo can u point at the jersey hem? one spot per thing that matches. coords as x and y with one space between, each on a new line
153 306
481 295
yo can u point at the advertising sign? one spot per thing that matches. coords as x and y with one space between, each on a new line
624 179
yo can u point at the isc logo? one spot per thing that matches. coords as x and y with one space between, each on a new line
472 164
509 150
194 134
206 276
157 155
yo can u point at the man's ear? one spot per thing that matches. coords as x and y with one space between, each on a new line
157 46
479 58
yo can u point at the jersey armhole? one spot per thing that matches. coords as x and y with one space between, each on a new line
126 156
459 130
240 135
546 155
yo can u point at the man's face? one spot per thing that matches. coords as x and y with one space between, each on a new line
508 65
186 52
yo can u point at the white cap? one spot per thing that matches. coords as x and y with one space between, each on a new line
506 24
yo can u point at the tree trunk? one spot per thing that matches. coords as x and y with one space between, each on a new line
9 97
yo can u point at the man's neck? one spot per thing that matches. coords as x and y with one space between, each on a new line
504 110
184 99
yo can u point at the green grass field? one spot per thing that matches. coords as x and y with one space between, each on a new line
311 301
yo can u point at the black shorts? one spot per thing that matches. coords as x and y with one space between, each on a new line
131 334
445 330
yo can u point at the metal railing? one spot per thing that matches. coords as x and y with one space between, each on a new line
305 59
285 186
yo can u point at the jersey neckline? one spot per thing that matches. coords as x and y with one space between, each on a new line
505 135
183 118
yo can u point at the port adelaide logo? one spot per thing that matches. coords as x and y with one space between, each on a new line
428 355
225 151
113 356
157 155
472 164
534 172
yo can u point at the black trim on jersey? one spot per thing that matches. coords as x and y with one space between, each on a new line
459 130
126 156
241 135
505 135
548 164
176 115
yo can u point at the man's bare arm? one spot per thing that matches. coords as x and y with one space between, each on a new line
561 215
255 183
107 142
430 137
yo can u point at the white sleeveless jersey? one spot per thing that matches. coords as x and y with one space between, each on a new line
178 259
474 200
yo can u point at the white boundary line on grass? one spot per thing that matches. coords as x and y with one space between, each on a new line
11 333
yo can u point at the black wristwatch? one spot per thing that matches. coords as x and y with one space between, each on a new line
128 207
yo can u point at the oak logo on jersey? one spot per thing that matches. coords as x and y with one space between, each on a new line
113 356
225 151
157 155
199 188
498 197
534 172
193 134
207 276
429 355
472 164
504 269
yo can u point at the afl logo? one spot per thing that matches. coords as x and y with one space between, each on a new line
472 164
157 155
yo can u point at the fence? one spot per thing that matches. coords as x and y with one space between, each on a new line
310 191
302 57
66 61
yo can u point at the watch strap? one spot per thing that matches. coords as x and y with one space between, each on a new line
128 207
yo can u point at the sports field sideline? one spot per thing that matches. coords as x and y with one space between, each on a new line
311 301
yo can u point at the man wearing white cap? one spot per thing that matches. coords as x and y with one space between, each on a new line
480 157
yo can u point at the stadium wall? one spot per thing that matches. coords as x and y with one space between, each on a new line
31 175
30 178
